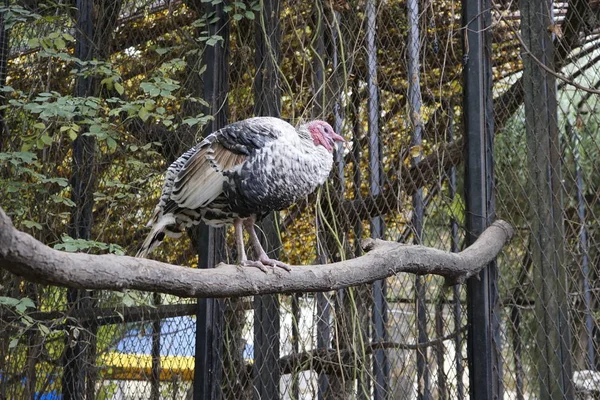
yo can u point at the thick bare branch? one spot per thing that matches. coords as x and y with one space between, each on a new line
28 258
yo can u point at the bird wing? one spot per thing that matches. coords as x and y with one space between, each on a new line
200 179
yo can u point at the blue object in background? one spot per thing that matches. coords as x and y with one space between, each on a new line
53 395
177 338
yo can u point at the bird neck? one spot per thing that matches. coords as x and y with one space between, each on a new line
304 132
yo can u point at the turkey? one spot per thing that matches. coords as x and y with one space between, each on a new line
239 174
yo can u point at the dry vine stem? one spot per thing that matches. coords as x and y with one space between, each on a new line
28 258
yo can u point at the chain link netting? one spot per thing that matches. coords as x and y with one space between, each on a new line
98 97
546 168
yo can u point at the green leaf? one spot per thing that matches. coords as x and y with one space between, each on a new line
60 44
216 38
13 343
143 114
46 139
111 143
32 224
26 157
249 15
44 329
119 88
8 301
39 125
27 302
63 200
236 17
20 308
150 88
128 301
60 181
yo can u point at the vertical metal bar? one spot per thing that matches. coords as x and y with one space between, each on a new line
155 353
209 322
267 87
482 344
318 60
414 103
380 362
296 314
553 347
341 311
338 111
4 50
440 348
515 327
323 311
267 95
211 241
583 248
454 238
82 183
323 337
363 312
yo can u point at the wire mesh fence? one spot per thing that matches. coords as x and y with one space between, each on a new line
98 97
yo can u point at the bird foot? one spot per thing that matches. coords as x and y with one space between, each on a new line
275 263
263 262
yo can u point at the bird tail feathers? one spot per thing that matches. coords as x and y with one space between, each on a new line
156 235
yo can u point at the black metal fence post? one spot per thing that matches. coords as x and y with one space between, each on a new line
482 291
4 49
209 316
82 183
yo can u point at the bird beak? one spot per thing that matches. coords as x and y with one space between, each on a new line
337 137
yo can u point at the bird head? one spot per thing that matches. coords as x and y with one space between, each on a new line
323 134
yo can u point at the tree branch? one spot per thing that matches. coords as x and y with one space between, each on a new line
331 360
105 316
28 258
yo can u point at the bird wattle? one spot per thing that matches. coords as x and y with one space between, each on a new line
320 139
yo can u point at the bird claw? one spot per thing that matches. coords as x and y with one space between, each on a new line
275 263
255 264
264 262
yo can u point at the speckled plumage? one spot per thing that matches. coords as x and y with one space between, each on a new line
245 170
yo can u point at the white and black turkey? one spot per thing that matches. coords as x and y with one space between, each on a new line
240 173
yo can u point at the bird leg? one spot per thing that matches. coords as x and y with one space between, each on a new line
239 241
263 258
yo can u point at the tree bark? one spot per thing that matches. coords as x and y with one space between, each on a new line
28 258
